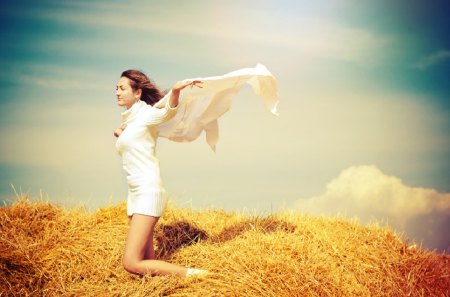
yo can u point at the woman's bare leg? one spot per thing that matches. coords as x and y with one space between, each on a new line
137 247
150 250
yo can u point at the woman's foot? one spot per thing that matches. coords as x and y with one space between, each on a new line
196 272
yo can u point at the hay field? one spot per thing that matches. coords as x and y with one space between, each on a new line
47 250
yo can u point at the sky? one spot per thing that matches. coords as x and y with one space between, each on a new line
364 121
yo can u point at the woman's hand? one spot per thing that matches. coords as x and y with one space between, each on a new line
118 132
183 84
176 89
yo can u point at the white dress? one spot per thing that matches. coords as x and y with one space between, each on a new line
136 145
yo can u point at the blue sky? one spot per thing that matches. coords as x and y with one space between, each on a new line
361 83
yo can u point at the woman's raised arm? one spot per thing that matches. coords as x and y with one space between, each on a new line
176 89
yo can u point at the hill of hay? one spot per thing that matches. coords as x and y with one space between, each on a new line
46 250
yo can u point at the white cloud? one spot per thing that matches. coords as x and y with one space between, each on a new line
308 37
56 77
60 135
119 17
365 192
327 39
432 59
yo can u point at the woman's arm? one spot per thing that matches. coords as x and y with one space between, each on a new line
157 116
176 89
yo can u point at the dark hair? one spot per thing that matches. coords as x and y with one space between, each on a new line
139 81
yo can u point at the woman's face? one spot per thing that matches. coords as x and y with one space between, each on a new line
125 94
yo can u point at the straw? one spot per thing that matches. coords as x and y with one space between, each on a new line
48 250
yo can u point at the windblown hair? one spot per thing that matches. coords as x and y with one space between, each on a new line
138 80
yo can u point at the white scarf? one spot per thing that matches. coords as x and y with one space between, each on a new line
199 108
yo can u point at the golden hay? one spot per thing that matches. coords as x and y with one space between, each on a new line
46 250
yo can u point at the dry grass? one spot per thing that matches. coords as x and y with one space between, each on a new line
46 250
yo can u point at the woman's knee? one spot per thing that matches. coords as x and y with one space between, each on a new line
130 265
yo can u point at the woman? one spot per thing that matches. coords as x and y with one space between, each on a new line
136 144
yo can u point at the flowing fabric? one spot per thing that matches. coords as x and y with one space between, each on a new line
200 108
